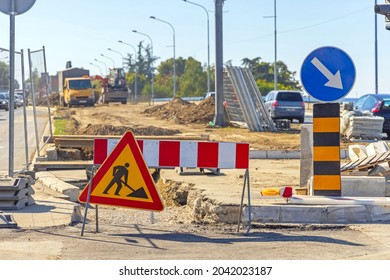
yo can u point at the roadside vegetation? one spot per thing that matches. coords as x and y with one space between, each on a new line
191 75
64 123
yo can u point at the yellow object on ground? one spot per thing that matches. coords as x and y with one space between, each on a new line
270 192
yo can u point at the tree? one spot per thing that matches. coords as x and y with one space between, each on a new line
4 77
164 78
143 68
193 80
263 73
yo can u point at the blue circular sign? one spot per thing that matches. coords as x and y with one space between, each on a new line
328 74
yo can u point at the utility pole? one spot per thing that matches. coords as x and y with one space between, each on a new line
219 118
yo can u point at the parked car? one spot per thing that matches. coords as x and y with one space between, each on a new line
208 94
6 94
285 104
18 100
376 105
3 101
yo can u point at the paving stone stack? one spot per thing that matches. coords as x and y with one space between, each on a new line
15 193
357 126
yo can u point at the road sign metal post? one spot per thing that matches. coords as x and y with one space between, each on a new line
13 8
246 184
87 203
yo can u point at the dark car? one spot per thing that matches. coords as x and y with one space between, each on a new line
376 105
285 104
4 101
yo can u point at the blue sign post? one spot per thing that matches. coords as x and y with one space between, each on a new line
328 74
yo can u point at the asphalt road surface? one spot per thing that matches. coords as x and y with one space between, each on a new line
19 135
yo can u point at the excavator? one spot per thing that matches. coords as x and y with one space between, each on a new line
113 88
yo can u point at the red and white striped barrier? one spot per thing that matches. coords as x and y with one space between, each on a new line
187 154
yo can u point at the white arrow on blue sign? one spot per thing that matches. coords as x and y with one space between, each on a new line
328 74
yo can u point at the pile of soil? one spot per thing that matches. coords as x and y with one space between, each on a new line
104 129
183 112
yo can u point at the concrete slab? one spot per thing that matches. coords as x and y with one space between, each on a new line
363 186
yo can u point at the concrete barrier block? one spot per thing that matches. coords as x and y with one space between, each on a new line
51 154
7 221
363 186
16 205
14 195
13 184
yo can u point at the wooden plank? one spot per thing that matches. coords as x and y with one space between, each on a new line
366 162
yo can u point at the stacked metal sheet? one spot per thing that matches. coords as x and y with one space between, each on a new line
243 100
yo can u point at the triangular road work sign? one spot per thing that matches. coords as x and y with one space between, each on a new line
124 179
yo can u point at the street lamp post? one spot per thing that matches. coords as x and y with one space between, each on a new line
100 69
208 42
111 50
105 65
275 48
151 42
174 54
113 63
376 51
135 68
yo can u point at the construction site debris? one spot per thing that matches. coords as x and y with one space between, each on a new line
374 158
354 125
184 112
104 129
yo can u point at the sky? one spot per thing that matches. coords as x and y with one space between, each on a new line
81 30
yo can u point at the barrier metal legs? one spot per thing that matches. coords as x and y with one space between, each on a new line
246 183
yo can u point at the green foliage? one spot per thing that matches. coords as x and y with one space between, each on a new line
263 73
4 77
193 81
264 86
191 76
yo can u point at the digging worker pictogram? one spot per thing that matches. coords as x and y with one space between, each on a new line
120 175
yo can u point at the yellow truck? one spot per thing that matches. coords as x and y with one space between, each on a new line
75 88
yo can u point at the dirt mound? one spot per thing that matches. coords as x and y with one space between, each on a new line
103 129
184 112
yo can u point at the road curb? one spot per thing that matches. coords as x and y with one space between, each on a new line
283 154
51 181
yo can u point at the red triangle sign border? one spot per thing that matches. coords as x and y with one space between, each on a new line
127 139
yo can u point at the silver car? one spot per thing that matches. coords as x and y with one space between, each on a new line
285 104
